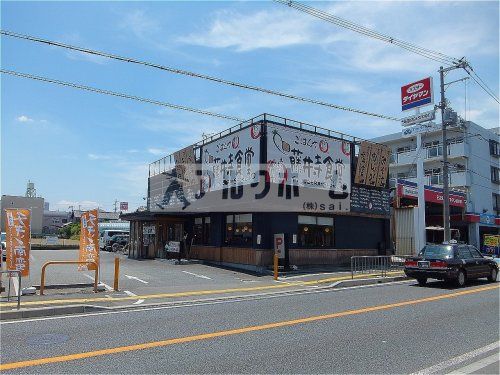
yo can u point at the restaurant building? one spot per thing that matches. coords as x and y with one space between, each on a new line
228 198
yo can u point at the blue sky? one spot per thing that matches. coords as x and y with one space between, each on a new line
88 149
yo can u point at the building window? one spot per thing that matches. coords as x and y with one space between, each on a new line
495 175
315 231
201 230
494 148
239 230
496 203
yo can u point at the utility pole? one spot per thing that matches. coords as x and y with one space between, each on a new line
446 187
116 202
444 122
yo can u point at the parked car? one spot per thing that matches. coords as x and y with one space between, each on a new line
450 262
116 242
106 235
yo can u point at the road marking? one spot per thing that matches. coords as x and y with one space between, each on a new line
313 274
108 288
136 279
196 275
129 293
232 332
189 293
478 365
207 301
440 367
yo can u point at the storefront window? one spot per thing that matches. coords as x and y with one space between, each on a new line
201 231
239 229
315 231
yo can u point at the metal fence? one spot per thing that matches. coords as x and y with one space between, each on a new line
379 265
19 292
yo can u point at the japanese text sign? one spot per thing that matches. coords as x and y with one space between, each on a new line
89 240
417 94
18 236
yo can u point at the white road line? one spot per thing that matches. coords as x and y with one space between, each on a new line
196 275
108 288
209 301
314 274
136 279
441 367
129 293
478 365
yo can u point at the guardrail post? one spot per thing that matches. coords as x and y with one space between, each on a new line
42 277
117 273
275 268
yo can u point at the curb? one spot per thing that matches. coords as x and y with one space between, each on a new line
39 312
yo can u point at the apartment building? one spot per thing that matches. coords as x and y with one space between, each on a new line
474 157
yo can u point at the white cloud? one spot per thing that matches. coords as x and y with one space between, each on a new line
99 157
64 205
245 32
140 24
76 39
24 118
159 151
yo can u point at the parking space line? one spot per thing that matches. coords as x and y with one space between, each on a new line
129 293
196 275
108 288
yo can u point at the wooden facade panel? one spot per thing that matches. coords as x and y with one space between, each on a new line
238 255
211 253
302 257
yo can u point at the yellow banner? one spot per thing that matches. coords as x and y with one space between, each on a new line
89 240
491 240
18 233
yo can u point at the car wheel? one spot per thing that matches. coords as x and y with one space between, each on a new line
492 277
461 278
422 281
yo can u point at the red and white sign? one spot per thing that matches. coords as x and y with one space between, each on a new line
279 245
433 195
123 206
417 94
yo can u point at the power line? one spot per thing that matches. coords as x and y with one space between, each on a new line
118 94
424 52
193 74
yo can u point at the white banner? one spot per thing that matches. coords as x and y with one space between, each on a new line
308 160
420 128
232 160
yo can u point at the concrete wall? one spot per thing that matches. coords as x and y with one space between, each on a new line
35 204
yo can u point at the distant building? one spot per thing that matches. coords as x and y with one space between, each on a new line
55 220
103 216
35 204
474 157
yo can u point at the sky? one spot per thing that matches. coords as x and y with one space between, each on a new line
87 149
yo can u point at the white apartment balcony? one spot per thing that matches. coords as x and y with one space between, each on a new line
455 150
457 179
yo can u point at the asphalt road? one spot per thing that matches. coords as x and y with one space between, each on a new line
397 328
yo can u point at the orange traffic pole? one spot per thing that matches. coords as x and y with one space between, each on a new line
117 274
275 267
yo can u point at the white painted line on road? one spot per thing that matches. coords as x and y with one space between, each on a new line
196 275
129 293
136 279
313 274
478 365
441 367
210 301
108 288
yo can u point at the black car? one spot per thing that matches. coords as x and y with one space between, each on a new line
450 262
